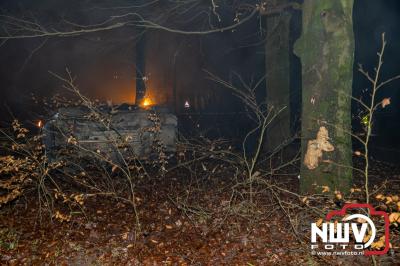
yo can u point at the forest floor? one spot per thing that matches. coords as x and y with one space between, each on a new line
183 221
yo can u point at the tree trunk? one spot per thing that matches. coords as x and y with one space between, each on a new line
277 67
140 69
326 50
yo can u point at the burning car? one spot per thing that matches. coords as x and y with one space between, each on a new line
114 132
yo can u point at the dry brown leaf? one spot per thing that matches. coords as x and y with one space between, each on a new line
385 102
169 226
379 197
389 200
366 238
394 217
114 168
325 189
379 244
319 222
178 223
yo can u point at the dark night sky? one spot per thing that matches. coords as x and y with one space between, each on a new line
97 58
371 18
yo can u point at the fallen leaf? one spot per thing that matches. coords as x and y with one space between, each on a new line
325 189
394 217
379 197
379 244
178 223
388 200
319 222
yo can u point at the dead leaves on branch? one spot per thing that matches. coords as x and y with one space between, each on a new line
26 165
19 130
15 175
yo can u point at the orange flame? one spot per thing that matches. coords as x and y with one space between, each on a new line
39 124
147 102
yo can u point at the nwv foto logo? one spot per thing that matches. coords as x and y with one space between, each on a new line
338 235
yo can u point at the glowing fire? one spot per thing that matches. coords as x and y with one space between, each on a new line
147 102
39 124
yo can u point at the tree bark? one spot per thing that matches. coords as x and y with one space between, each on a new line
277 59
326 49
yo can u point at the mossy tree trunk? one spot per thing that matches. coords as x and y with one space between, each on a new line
277 65
326 49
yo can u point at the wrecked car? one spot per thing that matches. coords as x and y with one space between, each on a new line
111 132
